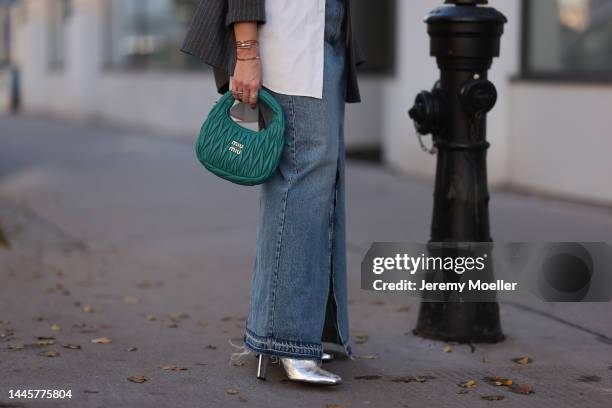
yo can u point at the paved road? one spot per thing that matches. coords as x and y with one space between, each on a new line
121 235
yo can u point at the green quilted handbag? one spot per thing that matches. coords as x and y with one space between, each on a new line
237 154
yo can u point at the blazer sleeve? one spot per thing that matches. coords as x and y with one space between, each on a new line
246 10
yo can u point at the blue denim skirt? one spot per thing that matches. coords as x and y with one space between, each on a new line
299 288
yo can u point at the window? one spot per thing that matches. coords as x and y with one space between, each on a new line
5 36
377 40
58 14
568 39
149 33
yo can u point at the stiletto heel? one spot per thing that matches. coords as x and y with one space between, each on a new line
262 367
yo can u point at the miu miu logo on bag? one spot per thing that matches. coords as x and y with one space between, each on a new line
236 148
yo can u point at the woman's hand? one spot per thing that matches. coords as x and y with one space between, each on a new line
247 74
247 79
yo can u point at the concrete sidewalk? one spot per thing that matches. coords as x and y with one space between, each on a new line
121 235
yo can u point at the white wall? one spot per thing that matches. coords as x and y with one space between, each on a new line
562 140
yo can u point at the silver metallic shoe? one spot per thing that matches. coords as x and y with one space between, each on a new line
307 371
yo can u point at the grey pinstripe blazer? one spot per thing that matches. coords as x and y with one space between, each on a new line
211 38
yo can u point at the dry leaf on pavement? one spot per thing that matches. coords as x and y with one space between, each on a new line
523 360
499 381
88 309
469 384
139 379
364 357
56 327
102 340
172 368
231 391
72 346
361 338
49 353
131 300
447 349
492 397
524 389
410 379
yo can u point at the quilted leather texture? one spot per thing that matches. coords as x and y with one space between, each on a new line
237 154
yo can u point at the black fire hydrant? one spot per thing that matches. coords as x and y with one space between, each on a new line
465 37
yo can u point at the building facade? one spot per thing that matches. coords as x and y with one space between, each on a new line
118 61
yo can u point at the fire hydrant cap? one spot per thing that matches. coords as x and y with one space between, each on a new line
465 11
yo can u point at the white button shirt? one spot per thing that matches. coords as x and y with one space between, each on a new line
291 47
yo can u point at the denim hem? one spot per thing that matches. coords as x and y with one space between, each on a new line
287 348
282 348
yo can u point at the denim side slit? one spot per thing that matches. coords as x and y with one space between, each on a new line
299 284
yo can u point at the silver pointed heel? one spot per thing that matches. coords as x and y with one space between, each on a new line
308 371
262 367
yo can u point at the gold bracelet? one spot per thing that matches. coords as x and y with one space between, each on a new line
248 44
248 59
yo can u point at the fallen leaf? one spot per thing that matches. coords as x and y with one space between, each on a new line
231 391
461 391
492 397
377 302
415 379
211 347
172 368
499 381
486 360
177 317
131 300
72 346
151 317
16 347
469 384
524 389
361 338
131 349
45 341
523 360
403 308
55 327
368 377
203 323
49 354
364 357
102 340
226 319
137 379
88 309
447 349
